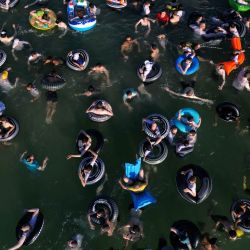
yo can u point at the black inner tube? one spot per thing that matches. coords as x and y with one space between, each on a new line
228 112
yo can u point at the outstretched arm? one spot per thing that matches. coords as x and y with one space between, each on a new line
19 243
172 92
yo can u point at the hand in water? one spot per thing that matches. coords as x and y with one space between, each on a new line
68 157
220 87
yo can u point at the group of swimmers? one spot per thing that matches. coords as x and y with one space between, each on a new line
173 13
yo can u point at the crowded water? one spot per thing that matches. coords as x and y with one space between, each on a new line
72 93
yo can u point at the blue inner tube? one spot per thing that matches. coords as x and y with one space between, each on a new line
205 184
245 217
228 111
185 112
192 69
185 227
33 235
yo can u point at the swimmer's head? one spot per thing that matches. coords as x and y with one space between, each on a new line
87 168
29 86
5 74
72 243
91 88
145 17
232 235
192 132
91 5
174 130
153 46
76 56
190 92
30 158
128 38
3 33
192 179
134 229
154 126
163 13
100 213
129 93
98 65
202 26
99 104
188 61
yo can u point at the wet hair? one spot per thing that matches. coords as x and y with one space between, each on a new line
190 92
99 104
91 5
101 211
88 167
232 25
91 88
195 45
246 73
98 64
29 85
129 92
153 46
134 229
190 118
232 234
193 132
239 210
173 127
73 243
146 16
45 17
192 178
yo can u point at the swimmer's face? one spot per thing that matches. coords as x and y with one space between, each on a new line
129 39
188 61
154 126
31 158
202 26
174 131
163 13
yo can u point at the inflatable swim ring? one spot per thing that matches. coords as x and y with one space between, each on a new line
188 227
106 203
37 229
97 171
185 112
53 82
12 3
162 123
204 180
116 4
3 57
14 133
239 7
228 111
80 23
83 56
99 118
245 216
192 69
36 16
158 154
153 75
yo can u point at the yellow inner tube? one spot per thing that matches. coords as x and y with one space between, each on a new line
42 19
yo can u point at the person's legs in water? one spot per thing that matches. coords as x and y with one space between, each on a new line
51 109
143 91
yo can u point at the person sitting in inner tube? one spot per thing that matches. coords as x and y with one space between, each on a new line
92 10
78 61
185 65
5 127
135 185
100 109
242 80
183 237
162 18
84 145
120 2
176 15
146 69
128 95
184 148
7 40
102 214
191 182
86 171
240 210
27 228
41 16
233 30
31 164
154 128
189 120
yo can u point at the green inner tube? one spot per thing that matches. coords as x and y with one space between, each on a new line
239 7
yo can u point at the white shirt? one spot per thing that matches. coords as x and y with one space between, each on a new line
241 82
146 9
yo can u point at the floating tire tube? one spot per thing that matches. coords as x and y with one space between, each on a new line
158 154
83 55
162 123
246 216
211 35
103 202
204 180
14 133
36 228
116 4
192 69
188 228
185 151
228 111
99 118
95 135
12 3
185 128
3 57
239 7
97 171
142 199
53 82
153 75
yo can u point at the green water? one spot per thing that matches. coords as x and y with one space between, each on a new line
223 151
